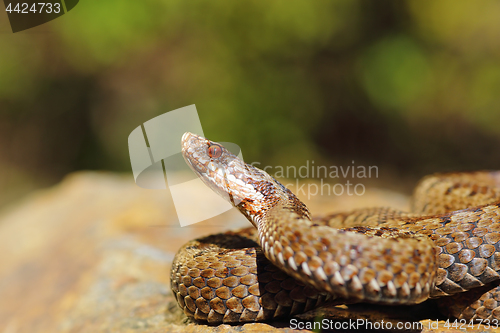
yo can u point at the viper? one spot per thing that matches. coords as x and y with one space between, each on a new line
289 262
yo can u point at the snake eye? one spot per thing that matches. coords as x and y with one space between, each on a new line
214 151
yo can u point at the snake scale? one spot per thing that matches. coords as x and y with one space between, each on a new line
290 263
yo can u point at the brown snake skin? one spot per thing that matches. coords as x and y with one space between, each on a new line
289 263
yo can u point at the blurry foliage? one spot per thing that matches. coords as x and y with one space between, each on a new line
17 67
410 86
385 69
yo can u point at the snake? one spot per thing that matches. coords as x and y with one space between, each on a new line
288 262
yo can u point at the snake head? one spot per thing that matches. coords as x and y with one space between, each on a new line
251 190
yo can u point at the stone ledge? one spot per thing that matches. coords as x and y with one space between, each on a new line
93 254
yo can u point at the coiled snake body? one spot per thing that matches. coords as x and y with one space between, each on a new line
370 255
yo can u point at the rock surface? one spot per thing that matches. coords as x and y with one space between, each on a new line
93 254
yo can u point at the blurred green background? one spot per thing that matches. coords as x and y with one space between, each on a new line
410 86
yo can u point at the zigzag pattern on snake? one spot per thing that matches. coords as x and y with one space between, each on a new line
290 263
